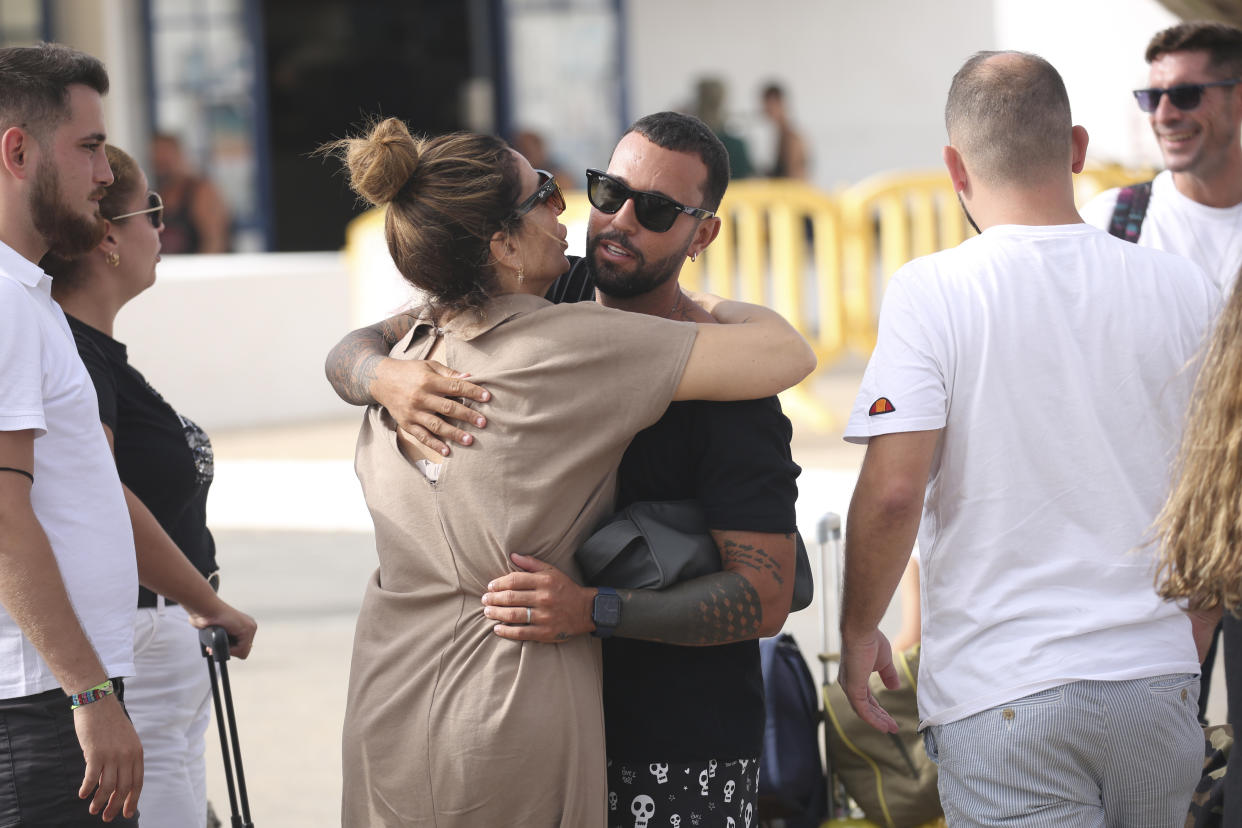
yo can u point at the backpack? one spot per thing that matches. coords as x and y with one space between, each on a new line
792 785
1207 805
889 775
1128 214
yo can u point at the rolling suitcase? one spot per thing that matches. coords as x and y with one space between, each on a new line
214 644
828 541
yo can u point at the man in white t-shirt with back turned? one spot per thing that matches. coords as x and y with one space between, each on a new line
1194 103
1024 399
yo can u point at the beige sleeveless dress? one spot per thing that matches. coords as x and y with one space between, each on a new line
446 723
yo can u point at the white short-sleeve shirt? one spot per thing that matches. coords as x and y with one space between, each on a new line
77 495
1211 237
1056 361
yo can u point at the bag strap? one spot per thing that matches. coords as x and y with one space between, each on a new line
1128 214
903 666
611 539
835 720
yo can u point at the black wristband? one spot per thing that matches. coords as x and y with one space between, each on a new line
22 472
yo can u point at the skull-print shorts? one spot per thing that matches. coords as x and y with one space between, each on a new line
711 794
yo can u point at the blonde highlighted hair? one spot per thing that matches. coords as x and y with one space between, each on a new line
1199 530
446 196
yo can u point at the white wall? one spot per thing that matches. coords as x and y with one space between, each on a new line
112 31
867 80
1098 47
239 340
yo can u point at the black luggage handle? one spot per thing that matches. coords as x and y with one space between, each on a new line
214 645
217 640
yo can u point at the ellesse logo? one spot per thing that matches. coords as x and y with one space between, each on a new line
881 406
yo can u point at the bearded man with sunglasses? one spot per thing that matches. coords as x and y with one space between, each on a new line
1194 104
683 694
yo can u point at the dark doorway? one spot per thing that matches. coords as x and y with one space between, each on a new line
330 66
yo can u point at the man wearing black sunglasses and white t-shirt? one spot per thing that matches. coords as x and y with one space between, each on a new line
684 720
1194 207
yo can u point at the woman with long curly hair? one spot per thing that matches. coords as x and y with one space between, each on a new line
1199 530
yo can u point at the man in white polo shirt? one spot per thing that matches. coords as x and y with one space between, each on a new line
68 579
68 576
1024 399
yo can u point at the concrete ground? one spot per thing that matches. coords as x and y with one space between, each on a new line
295 550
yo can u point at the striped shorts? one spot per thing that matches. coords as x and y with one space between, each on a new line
1086 754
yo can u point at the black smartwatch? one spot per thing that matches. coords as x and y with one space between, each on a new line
606 612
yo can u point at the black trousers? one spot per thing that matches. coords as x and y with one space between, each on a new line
42 765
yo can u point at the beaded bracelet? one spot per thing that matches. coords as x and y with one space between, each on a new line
96 693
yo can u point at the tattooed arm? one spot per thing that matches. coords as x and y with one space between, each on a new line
748 599
416 392
352 364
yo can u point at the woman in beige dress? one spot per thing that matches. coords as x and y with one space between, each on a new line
448 724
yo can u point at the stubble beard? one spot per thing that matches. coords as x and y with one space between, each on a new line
1209 158
66 233
642 279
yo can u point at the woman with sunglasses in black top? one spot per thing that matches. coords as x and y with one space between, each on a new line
165 463
447 723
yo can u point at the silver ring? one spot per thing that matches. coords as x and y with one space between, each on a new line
528 616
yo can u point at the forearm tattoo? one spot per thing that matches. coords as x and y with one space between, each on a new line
753 558
715 609
351 365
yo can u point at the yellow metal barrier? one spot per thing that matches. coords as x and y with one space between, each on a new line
1097 178
823 260
888 220
780 246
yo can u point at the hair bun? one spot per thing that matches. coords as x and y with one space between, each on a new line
383 162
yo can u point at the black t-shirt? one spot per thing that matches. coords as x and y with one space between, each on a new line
164 458
574 285
682 704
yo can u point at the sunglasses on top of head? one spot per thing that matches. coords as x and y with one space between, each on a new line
548 190
654 211
154 211
1184 96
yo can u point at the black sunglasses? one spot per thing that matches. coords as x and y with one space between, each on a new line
653 211
548 190
1184 96
154 212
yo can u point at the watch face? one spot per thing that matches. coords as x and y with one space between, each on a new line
607 611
